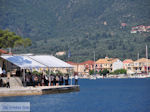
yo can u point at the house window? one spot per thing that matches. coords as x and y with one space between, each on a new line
100 65
129 68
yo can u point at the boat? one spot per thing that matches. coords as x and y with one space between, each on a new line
93 77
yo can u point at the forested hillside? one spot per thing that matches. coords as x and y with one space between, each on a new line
81 26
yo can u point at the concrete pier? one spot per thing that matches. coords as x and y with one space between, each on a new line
39 90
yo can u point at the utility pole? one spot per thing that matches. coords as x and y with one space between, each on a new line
94 62
138 56
147 58
10 50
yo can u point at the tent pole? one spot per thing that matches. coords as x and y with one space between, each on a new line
49 76
70 75
23 77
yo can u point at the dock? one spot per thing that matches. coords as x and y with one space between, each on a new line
39 90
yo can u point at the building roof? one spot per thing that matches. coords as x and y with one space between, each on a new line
123 24
142 60
128 61
3 51
89 62
61 53
106 60
71 63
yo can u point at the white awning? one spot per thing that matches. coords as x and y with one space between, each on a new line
50 61
36 61
1 70
24 62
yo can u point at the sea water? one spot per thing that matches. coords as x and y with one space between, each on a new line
101 95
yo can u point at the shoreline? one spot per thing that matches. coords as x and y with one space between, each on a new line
115 77
24 91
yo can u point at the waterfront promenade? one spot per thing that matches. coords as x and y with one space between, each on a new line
39 90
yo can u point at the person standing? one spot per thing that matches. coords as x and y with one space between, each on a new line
7 82
57 80
27 79
61 81
46 80
4 73
49 80
65 78
33 82
76 79
52 79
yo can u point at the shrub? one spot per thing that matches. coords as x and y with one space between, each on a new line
105 71
120 71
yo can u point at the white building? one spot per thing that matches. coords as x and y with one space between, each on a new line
118 64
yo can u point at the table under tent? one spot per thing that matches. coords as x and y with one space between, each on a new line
32 63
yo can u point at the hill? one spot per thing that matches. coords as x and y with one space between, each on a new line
83 26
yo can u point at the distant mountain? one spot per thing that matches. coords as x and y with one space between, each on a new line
80 26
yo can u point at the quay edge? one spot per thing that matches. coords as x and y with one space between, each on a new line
24 91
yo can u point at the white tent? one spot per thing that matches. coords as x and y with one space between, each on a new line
24 62
50 61
36 61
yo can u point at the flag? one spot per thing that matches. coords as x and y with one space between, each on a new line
69 54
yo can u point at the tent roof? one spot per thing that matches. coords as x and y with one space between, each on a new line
36 61
23 62
50 61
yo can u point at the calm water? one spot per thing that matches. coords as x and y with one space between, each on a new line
103 95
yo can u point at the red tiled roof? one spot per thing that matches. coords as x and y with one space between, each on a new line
123 24
142 60
106 60
3 51
128 61
71 63
147 27
89 62
133 30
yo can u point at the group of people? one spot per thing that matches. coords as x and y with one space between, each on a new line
46 80
43 79
4 83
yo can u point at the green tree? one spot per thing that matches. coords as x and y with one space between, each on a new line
36 73
91 72
10 40
105 71
100 72
120 71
